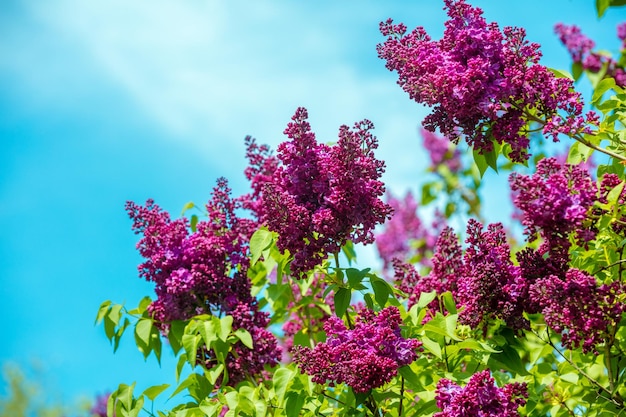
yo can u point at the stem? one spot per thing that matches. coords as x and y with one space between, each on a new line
401 397
615 399
585 142
577 137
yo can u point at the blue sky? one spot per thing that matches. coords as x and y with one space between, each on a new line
103 102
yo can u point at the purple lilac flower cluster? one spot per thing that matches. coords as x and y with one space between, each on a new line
441 150
404 236
580 47
480 81
205 272
365 357
321 196
483 280
583 312
480 397
554 202
493 286
447 267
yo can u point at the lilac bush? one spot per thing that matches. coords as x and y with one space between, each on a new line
473 322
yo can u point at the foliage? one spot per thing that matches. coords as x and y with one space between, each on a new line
268 316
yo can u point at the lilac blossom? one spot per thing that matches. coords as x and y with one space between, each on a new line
480 81
447 269
365 357
404 235
580 309
580 48
554 202
441 151
205 272
321 196
493 287
480 397
99 408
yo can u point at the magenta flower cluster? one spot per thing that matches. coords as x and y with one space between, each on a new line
583 312
483 280
321 196
554 202
447 266
99 408
480 397
205 272
580 48
404 236
481 81
441 151
365 357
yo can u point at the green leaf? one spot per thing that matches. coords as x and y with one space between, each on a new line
191 343
215 373
154 391
561 73
186 207
143 330
206 329
295 401
193 223
261 240
577 70
448 302
342 301
360 397
601 6
603 86
102 311
426 298
226 326
245 337
381 291
481 162
282 378
175 335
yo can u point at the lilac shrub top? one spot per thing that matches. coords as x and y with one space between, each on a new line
321 196
205 272
480 397
365 357
482 82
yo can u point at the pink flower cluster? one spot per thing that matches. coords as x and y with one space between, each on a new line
480 397
581 47
321 196
480 81
365 357
205 272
